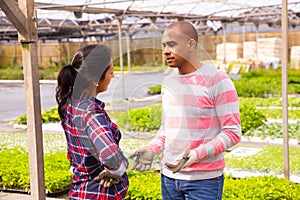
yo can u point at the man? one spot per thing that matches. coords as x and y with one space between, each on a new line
200 121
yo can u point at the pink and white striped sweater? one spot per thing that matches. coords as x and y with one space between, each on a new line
200 112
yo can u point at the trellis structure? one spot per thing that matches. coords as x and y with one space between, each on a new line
73 21
21 17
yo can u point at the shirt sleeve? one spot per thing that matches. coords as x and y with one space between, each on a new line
227 110
110 155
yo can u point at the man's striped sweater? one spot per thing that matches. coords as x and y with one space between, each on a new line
200 112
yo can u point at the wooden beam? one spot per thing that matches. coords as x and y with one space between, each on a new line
33 103
284 73
24 19
15 15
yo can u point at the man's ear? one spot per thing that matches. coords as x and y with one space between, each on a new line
191 45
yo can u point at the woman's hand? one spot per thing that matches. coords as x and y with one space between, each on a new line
107 179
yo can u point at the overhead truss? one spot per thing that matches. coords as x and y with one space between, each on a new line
135 20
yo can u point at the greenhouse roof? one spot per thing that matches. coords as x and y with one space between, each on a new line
61 19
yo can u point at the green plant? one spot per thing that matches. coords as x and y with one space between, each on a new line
14 167
11 74
258 188
144 185
15 170
251 118
276 113
155 89
258 87
149 118
47 116
266 83
269 102
140 119
269 159
274 130
57 173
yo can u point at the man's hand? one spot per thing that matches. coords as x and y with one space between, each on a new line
107 179
144 159
188 158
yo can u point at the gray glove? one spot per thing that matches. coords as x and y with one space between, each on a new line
144 159
188 158
107 179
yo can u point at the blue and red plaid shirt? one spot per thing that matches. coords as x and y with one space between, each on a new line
93 145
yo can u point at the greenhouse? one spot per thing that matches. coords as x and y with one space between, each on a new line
255 42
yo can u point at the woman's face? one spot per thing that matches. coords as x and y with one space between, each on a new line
103 84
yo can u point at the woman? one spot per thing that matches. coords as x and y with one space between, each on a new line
97 163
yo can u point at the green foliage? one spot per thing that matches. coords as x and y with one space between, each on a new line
276 113
11 74
272 107
57 173
48 74
266 83
51 115
149 118
251 118
21 119
155 89
16 72
139 68
274 130
267 102
144 185
15 170
258 188
47 116
146 119
269 159
258 87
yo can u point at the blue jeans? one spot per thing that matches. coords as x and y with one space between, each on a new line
209 189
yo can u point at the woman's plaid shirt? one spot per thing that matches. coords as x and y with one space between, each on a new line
93 145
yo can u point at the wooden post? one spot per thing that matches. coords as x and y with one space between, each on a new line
284 73
33 103
24 19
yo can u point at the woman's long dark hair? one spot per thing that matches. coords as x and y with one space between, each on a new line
88 66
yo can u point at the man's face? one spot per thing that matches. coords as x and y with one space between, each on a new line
174 46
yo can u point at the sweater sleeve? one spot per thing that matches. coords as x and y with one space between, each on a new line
158 142
227 109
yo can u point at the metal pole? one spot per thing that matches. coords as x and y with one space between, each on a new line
284 35
128 50
163 58
256 45
121 56
224 42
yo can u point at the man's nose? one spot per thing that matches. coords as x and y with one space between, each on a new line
166 50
